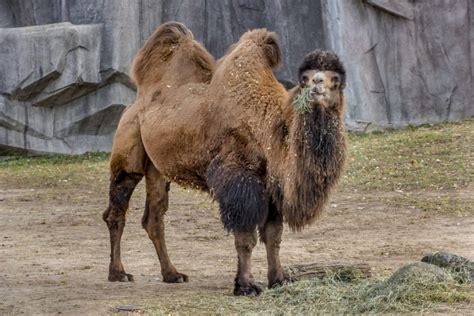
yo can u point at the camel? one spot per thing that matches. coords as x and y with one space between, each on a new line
267 155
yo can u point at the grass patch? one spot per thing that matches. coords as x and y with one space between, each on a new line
427 158
442 203
53 171
417 292
17 162
433 158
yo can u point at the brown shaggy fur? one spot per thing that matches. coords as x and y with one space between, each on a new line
234 134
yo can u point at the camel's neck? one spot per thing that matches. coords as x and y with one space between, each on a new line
314 153
317 138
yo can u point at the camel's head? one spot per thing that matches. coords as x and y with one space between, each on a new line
322 79
324 86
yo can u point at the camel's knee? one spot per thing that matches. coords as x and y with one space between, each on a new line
114 217
245 241
153 226
105 214
246 245
271 232
272 236
122 185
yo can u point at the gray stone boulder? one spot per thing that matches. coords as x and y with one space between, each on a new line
463 267
64 65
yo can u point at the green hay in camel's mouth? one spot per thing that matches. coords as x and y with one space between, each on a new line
302 101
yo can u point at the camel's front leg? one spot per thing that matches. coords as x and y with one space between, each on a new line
270 234
243 206
244 282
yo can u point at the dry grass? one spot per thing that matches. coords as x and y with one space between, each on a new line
53 171
421 292
302 102
433 158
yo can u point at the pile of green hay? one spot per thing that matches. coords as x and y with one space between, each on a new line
414 288
302 102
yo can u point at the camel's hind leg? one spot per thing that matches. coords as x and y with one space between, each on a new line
153 222
122 185
127 163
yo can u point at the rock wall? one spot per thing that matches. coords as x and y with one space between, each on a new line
408 62
64 63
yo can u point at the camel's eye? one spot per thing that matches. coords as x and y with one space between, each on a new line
336 81
304 79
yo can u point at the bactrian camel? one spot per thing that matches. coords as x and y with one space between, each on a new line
267 155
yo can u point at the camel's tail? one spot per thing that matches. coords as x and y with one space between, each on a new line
157 50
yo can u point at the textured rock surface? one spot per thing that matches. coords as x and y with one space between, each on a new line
463 266
64 64
404 67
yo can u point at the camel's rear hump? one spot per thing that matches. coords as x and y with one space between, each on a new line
158 49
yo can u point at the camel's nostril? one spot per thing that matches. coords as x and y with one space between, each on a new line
318 91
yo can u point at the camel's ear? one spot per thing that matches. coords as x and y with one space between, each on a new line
271 49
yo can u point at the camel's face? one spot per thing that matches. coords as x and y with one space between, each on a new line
325 86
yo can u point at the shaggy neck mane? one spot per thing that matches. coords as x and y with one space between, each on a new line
315 159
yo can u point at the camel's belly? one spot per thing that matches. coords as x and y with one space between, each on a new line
181 152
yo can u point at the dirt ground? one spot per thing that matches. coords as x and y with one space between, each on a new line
54 246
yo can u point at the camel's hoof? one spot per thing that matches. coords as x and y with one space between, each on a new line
175 277
120 277
285 279
251 290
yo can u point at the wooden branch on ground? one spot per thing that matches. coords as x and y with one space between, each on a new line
346 272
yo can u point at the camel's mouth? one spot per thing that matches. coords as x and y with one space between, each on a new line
308 99
316 95
326 98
